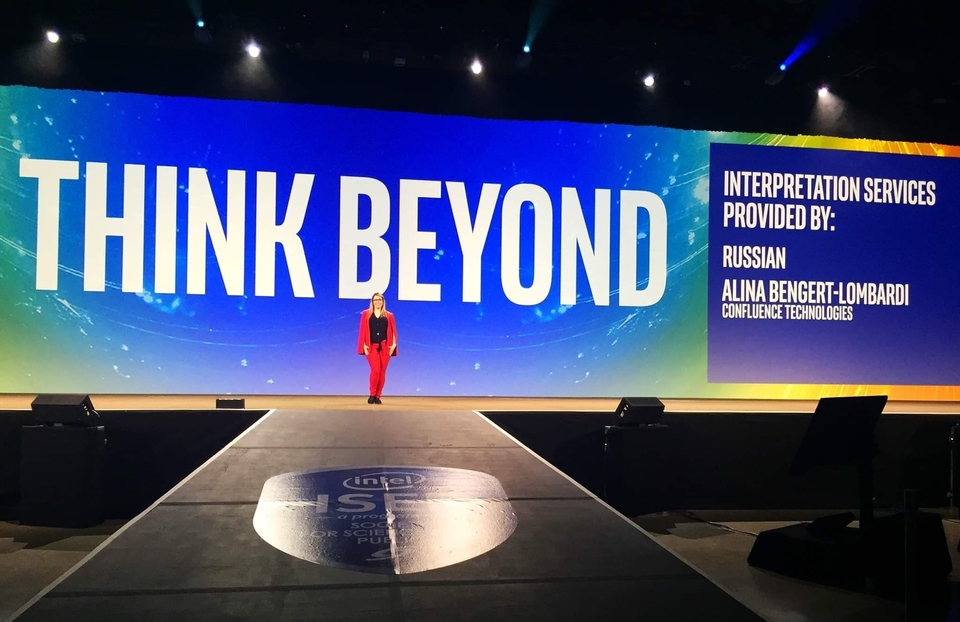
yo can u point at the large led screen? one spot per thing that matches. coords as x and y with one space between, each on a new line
174 245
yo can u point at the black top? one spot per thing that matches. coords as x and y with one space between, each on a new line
378 328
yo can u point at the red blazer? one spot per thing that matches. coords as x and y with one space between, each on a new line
365 331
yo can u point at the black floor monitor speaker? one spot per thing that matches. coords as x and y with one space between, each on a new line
639 410
231 402
66 409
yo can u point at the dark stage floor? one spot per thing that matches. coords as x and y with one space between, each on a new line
494 533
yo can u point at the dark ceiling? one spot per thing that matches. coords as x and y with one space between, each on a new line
894 60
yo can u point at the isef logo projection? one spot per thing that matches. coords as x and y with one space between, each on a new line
385 520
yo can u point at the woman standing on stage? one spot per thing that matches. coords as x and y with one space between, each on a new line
378 342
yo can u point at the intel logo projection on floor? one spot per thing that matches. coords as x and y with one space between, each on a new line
385 481
385 520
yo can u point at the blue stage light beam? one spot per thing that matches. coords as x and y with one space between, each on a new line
539 13
838 13
196 7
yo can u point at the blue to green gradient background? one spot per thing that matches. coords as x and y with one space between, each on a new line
112 342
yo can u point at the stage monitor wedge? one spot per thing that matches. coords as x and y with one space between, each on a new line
231 402
65 409
639 411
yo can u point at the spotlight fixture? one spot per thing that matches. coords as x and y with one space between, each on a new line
783 67
476 67
200 23
526 49
822 91
648 81
53 36
253 50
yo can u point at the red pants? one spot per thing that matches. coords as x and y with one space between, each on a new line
378 361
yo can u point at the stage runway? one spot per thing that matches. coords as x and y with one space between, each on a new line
555 553
21 401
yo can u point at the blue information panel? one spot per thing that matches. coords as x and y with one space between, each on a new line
832 267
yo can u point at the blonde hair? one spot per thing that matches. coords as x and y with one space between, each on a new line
384 307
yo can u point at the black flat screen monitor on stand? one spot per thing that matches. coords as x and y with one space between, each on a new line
842 433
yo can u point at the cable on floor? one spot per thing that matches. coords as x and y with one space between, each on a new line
692 516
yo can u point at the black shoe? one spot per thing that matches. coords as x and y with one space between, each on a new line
376 400
371 399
